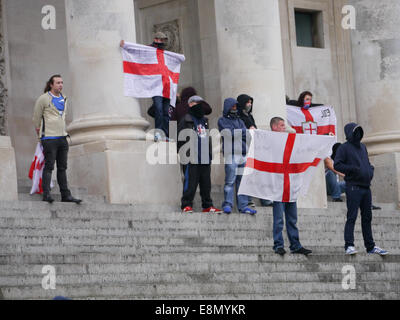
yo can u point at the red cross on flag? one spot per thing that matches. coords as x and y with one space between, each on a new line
36 170
315 120
150 71
280 165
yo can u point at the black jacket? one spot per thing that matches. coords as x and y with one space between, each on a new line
247 117
188 122
352 158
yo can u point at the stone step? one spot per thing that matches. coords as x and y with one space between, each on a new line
127 289
52 249
184 224
333 232
177 217
345 295
178 240
200 267
170 258
387 208
192 278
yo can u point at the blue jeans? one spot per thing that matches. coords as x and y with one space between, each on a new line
333 187
232 179
290 209
358 197
161 109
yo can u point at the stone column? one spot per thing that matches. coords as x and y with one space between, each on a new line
376 67
242 53
100 110
108 156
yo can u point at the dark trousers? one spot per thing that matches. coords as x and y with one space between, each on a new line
197 174
358 197
55 150
161 116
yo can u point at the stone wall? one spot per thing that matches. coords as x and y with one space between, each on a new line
35 54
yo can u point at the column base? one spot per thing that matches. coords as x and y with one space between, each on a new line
386 183
8 171
127 172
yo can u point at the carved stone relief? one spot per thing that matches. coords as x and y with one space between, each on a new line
172 31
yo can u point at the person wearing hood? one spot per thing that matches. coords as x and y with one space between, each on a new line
182 107
352 160
196 159
234 144
245 109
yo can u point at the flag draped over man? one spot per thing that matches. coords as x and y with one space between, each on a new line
315 120
150 71
280 165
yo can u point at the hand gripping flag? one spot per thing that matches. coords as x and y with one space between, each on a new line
280 165
315 120
150 71
36 170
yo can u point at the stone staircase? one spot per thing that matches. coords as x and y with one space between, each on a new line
103 251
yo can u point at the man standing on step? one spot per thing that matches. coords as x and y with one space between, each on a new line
193 131
277 124
352 159
49 122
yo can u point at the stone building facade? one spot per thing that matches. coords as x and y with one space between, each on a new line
231 47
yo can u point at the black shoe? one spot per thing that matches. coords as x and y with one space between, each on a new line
375 207
48 198
280 251
302 250
71 199
337 200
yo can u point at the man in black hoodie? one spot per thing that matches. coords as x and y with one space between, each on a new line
245 109
195 150
352 160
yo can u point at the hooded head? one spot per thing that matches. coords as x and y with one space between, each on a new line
187 93
228 104
334 149
242 101
354 133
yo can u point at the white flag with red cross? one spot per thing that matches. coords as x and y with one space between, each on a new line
280 165
315 120
36 170
150 71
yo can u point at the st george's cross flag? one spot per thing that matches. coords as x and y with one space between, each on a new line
315 120
280 165
36 170
150 71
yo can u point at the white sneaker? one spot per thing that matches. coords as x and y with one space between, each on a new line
379 251
351 251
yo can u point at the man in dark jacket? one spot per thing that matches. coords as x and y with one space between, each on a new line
245 108
234 134
196 157
352 160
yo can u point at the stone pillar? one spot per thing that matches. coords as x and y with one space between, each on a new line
8 171
100 110
242 53
108 156
376 67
